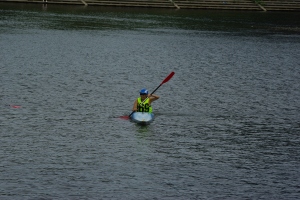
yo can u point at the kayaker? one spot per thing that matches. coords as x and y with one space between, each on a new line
146 106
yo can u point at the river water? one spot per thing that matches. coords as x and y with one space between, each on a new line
227 124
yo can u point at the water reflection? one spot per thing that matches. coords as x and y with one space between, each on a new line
144 130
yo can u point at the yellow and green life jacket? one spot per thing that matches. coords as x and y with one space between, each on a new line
145 107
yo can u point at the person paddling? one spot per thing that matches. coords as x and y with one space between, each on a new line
142 105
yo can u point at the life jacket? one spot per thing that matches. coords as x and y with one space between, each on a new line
143 107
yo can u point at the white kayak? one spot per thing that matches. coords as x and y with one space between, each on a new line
142 117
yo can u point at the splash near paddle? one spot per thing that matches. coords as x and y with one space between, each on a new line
163 82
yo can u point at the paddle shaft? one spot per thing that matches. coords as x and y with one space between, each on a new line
164 81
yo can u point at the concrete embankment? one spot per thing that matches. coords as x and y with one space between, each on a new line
253 5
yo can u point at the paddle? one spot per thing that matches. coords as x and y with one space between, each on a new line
163 82
15 106
12 106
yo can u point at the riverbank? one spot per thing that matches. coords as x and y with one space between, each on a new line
251 5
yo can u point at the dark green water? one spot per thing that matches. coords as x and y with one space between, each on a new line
87 18
226 125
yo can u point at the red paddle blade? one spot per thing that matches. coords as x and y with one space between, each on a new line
124 117
168 77
15 106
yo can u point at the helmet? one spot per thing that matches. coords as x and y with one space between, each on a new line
144 91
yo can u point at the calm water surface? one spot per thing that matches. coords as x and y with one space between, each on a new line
227 124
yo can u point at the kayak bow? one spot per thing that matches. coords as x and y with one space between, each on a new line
142 118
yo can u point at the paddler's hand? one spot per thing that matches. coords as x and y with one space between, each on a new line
154 96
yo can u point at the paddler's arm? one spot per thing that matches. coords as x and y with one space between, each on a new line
153 97
134 108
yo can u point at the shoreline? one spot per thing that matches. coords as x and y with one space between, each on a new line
242 5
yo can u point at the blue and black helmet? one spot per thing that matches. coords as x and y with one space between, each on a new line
143 92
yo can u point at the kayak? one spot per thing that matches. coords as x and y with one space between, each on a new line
142 118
